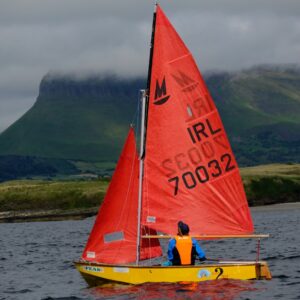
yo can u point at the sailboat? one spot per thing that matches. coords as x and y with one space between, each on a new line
185 170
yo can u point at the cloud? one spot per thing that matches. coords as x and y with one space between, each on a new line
113 36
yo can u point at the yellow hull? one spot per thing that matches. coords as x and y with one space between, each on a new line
96 274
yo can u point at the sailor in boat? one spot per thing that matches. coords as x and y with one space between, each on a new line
183 249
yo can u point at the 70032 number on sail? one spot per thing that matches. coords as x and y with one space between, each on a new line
203 173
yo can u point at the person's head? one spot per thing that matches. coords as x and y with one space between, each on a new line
183 229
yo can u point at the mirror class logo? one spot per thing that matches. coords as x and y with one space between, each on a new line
186 84
161 95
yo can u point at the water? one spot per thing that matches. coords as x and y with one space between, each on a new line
36 262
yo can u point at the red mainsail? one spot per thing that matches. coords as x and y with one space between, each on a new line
113 238
190 171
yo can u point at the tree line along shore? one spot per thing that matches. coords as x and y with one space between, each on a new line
52 199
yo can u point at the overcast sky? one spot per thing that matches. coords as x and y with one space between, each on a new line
38 36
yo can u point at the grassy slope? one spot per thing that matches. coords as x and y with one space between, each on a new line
250 100
46 131
274 183
47 195
265 184
80 120
260 110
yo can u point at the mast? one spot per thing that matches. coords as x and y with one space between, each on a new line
151 51
141 172
144 98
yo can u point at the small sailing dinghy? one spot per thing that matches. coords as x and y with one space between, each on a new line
185 171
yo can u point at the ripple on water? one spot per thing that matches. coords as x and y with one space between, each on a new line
292 257
281 276
24 291
63 298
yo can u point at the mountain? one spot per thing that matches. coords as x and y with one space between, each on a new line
260 109
85 120
75 119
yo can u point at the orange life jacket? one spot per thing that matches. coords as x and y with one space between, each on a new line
184 246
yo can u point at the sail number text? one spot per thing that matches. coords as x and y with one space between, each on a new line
202 174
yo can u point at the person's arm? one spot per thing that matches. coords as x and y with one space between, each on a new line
198 249
171 246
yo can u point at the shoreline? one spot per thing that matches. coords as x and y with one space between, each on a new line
267 187
277 206
79 214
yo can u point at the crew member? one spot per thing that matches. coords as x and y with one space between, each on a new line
183 249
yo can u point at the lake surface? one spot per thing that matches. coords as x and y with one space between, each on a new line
36 262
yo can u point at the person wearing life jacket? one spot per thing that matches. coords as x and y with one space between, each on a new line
183 249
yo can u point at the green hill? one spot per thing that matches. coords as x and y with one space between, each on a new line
75 119
260 109
83 122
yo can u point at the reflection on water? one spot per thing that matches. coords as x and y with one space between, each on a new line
36 263
216 290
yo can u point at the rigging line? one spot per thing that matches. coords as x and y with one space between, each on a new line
135 118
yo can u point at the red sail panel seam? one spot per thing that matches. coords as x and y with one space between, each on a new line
178 58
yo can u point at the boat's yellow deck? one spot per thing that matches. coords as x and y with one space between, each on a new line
95 273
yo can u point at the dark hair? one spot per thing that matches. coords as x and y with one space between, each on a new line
184 228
